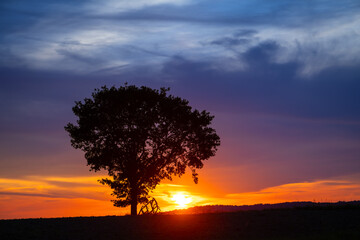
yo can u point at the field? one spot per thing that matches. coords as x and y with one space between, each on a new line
301 223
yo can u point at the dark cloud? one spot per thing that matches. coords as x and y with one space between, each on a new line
54 194
273 88
240 37
245 33
270 118
229 42
71 184
281 12
71 56
261 54
28 194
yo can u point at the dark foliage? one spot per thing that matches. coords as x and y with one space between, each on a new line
141 136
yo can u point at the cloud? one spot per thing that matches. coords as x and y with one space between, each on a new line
313 121
41 195
118 6
242 37
102 34
229 42
52 187
319 191
31 194
279 76
264 85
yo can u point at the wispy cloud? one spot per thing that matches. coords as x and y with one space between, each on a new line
73 196
54 197
116 6
320 191
96 36
45 196
69 188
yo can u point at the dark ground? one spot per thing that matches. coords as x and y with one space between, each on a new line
304 223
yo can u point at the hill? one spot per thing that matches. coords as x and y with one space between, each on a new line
290 205
282 223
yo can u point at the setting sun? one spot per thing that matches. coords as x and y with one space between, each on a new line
181 200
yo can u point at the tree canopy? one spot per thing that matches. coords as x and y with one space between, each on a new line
141 136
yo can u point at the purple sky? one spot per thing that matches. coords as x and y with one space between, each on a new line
281 77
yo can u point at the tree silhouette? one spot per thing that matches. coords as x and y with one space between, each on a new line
141 136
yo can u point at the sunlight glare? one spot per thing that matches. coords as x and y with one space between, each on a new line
181 200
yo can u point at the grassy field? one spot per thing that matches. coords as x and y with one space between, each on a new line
311 223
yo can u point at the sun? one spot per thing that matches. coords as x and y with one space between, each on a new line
181 200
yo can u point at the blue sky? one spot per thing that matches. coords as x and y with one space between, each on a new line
281 77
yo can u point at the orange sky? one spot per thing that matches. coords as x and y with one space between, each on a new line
36 196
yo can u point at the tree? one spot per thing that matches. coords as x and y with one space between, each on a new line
141 136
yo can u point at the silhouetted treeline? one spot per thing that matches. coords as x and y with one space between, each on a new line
235 208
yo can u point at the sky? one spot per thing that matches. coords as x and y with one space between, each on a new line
282 79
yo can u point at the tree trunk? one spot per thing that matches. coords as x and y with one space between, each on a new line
134 207
133 186
134 200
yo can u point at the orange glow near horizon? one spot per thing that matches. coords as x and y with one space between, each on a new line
36 196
